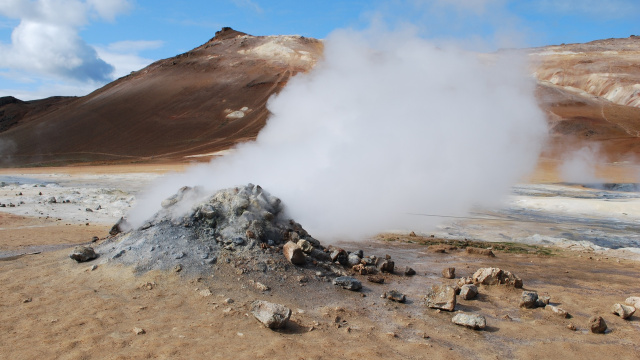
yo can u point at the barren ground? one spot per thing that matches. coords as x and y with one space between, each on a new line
76 313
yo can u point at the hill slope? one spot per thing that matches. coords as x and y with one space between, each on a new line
201 101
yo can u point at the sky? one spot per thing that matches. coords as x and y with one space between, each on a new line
72 47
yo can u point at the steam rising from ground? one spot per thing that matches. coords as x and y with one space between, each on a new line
579 166
387 124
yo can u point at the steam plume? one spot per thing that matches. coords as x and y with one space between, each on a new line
387 124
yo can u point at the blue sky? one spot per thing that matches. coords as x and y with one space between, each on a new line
72 47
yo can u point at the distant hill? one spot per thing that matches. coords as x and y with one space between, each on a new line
202 101
214 96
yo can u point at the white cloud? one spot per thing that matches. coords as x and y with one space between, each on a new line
46 40
124 55
135 45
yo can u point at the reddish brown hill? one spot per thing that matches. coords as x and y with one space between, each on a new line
198 102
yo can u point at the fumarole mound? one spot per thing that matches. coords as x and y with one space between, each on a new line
244 224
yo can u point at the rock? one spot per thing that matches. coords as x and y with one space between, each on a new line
468 292
387 266
378 279
479 251
369 261
441 297
633 301
449 273
412 234
139 331
293 253
95 239
624 311
529 299
205 293
543 301
88 210
228 301
353 259
51 200
305 246
177 268
495 276
83 253
340 256
118 227
348 282
396 296
409 271
273 316
558 311
472 321
572 327
262 287
464 281
597 325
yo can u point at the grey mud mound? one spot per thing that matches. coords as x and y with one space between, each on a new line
244 224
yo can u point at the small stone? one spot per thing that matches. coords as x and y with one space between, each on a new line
633 301
529 299
624 311
228 301
348 282
387 266
27 300
83 253
412 234
250 234
396 296
205 293
354 259
273 316
340 256
572 327
378 279
441 297
543 301
558 311
88 210
262 287
95 239
597 325
93 267
449 273
479 251
177 268
468 291
472 321
293 253
306 246
138 331
409 271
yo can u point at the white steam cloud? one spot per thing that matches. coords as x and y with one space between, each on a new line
387 124
579 166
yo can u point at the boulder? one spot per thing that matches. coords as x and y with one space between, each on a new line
396 296
468 291
449 273
624 311
293 253
543 301
496 276
273 316
348 282
83 253
633 301
472 321
529 299
597 325
441 297
340 256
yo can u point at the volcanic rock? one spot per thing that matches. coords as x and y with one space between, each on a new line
449 273
118 227
495 276
472 321
468 291
348 282
395 295
375 279
305 246
293 253
633 301
543 301
479 251
409 271
597 325
83 253
624 311
387 266
273 316
558 311
441 297
529 299
354 259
